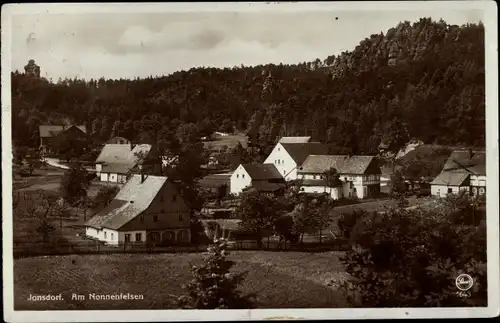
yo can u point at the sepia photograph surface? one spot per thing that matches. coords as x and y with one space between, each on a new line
264 160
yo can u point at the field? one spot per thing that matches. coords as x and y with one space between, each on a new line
279 279
229 141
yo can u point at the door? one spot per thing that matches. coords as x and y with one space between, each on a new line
154 237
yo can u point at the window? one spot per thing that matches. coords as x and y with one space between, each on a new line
127 237
345 179
112 236
138 237
180 217
105 235
474 190
174 198
243 176
237 175
155 218
278 148
278 161
450 190
482 190
354 190
283 161
314 176
284 172
320 177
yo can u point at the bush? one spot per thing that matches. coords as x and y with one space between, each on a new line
348 221
411 258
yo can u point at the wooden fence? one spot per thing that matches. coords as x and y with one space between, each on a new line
94 247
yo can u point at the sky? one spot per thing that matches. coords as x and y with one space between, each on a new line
129 45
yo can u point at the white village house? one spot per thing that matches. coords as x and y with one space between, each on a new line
262 177
290 152
116 161
359 176
465 170
147 209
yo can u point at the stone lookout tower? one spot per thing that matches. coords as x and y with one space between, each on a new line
32 69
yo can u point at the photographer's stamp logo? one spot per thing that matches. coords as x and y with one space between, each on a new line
464 282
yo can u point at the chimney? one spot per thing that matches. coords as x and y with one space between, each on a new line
141 173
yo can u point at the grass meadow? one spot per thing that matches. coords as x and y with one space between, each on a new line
278 279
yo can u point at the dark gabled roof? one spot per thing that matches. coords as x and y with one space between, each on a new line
460 160
344 164
133 199
450 178
262 171
52 130
300 151
263 186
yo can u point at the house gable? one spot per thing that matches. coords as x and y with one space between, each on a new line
280 157
167 210
373 168
239 180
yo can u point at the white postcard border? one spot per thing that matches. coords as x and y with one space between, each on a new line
491 67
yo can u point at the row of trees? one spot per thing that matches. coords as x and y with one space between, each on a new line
289 216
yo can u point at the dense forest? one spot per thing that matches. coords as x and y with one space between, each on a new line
422 80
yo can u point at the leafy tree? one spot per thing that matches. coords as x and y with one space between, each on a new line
398 186
33 160
103 197
332 179
258 213
310 217
214 286
284 228
42 209
74 185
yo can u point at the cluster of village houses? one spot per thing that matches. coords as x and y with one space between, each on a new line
149 208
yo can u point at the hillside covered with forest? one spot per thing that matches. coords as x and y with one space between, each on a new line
423 80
